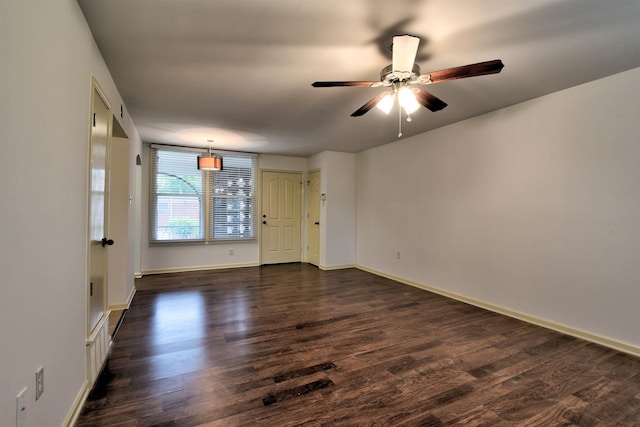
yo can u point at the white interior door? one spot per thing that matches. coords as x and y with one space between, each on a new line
280 218
313 219
98 206
118 273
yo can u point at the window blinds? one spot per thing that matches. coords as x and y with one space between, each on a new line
189 205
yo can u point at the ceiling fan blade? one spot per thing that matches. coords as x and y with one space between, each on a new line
471 70
428 100
368 106
404 53
337 84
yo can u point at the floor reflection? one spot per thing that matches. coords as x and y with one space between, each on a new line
178 316
236 310
178 327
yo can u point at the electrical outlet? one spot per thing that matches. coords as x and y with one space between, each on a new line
398 254
39 382
21 408
230 251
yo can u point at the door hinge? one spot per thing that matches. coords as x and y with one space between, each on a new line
94 119
90 289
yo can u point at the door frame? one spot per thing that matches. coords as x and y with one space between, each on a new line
98 341
96 91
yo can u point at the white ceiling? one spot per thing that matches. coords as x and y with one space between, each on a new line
239 72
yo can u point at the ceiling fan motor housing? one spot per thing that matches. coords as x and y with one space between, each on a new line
389 76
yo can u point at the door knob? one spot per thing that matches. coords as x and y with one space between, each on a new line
106 242
264 222
316 223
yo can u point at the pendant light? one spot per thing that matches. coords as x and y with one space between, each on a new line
210 162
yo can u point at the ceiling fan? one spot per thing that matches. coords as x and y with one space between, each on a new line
403 74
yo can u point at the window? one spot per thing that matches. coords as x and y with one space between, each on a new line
190 205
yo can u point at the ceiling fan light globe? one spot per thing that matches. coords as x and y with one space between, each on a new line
407 100
410 109
386 103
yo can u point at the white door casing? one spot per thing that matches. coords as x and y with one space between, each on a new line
98 205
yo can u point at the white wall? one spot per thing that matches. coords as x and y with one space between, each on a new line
184 257
282 163
338 212
534 208
48 58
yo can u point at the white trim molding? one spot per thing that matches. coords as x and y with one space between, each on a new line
336 267
197 268
558 327
100 333
124 305
76 408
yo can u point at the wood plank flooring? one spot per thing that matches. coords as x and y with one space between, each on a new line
291 345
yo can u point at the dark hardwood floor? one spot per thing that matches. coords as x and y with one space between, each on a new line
291 345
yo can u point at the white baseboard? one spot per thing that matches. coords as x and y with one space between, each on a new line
197 268
76 408
222 266
336 267
558 327
123 305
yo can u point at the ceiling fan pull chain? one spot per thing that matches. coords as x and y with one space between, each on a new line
399 121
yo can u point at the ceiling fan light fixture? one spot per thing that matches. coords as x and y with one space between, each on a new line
210 162
386 103
403 73
407 100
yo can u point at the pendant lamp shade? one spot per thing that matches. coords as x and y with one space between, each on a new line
210 162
